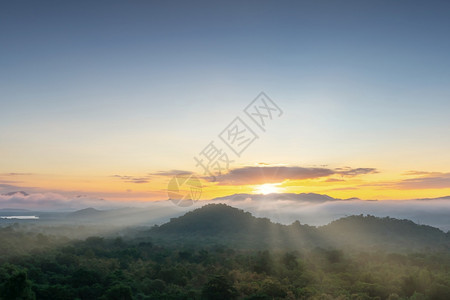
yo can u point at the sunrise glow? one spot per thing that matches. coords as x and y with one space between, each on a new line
268 188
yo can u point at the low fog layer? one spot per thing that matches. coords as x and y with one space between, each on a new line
312 209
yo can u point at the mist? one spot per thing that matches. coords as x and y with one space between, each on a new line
429 212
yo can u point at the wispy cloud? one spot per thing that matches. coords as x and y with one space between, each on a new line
349 188
413 173
11 186
171 173
148 177
48 200
7 184
426 180
347 171
273 174
133 179
334 180
16 174
420 180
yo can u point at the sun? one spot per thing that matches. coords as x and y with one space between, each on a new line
267 188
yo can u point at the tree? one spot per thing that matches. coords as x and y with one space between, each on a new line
119 292
219 288
289 260
263 263
273 289
17 286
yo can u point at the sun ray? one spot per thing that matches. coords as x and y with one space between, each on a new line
268 188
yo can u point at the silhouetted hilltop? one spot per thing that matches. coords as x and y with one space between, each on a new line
221 223
214 219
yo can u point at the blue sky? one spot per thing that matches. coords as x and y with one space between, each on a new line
132 87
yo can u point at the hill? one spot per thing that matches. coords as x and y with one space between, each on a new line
85 213
220 223
387 233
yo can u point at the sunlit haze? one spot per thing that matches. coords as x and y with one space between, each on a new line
225 150
111 101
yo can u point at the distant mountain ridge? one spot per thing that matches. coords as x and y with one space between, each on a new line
6 210
311 208
310 197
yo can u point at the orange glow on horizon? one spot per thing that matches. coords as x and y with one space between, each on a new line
375 187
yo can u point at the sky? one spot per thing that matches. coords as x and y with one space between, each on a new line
111 99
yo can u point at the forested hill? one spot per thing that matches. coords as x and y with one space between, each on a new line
384 232
220 223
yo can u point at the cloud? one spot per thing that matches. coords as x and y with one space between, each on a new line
260 175
344 189
408 173
147 178
16 174
273 174
334 180
6 187
312 209
7 184
171 173
426 181
347 171
138 180
133 179
49 200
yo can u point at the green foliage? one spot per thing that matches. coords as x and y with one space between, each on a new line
263 263
219 223
147 266
219 288
15 284
118 292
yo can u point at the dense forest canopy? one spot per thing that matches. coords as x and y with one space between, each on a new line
220 252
